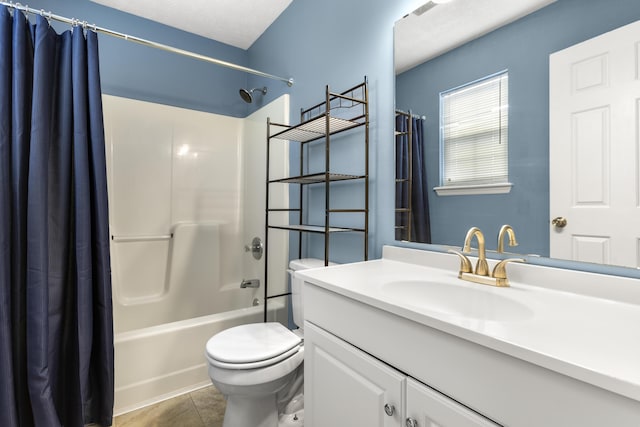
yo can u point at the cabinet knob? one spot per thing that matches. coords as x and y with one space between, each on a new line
411 423
389 409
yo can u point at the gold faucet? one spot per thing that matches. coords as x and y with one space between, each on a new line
512 237
482 268
498 276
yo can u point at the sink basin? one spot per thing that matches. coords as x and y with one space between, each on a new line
459 301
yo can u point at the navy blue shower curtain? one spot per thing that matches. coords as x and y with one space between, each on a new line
56 330
418 217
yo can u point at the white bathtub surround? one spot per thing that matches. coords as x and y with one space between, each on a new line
557 348
184 193
188 278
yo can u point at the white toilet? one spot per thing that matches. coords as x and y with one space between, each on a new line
258 364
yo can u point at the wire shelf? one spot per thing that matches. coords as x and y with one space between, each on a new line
317 178
314 228
316 128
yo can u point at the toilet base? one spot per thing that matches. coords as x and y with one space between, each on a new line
295 419
258 411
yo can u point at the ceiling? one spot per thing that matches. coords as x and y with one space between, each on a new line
442 27
237 23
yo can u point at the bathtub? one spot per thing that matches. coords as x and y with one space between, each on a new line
160 362
164 314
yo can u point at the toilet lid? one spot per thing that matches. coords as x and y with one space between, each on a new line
251 343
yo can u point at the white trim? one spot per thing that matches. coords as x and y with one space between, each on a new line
462 190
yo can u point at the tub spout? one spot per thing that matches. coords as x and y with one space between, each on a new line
252 283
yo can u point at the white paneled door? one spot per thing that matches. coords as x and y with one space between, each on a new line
594 109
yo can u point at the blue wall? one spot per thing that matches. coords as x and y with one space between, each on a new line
139 72
523 48
337 43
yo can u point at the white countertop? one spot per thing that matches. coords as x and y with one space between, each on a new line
593 339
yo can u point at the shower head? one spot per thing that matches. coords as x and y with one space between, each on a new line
246 94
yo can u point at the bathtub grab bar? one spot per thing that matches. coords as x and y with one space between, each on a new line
141 238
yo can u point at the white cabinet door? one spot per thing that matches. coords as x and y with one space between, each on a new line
345 387
428 408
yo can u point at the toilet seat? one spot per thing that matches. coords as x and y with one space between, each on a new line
252 346
254 365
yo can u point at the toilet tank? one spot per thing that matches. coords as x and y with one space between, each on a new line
296 285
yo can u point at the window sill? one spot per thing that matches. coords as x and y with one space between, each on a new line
465 190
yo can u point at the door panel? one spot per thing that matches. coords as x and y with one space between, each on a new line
593 149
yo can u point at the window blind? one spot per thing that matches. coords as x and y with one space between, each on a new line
474 129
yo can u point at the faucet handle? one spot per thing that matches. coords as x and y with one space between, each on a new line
500 270
465 263
482 267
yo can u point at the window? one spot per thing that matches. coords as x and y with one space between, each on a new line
474 137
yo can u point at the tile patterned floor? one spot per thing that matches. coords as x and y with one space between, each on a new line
200 408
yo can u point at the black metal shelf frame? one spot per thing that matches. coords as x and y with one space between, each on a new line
339 112
404 184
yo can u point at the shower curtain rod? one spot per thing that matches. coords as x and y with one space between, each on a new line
75 22
409 113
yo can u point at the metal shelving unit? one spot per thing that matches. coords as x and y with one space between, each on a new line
404 178
345 111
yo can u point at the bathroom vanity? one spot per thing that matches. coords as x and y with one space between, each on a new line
401 341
